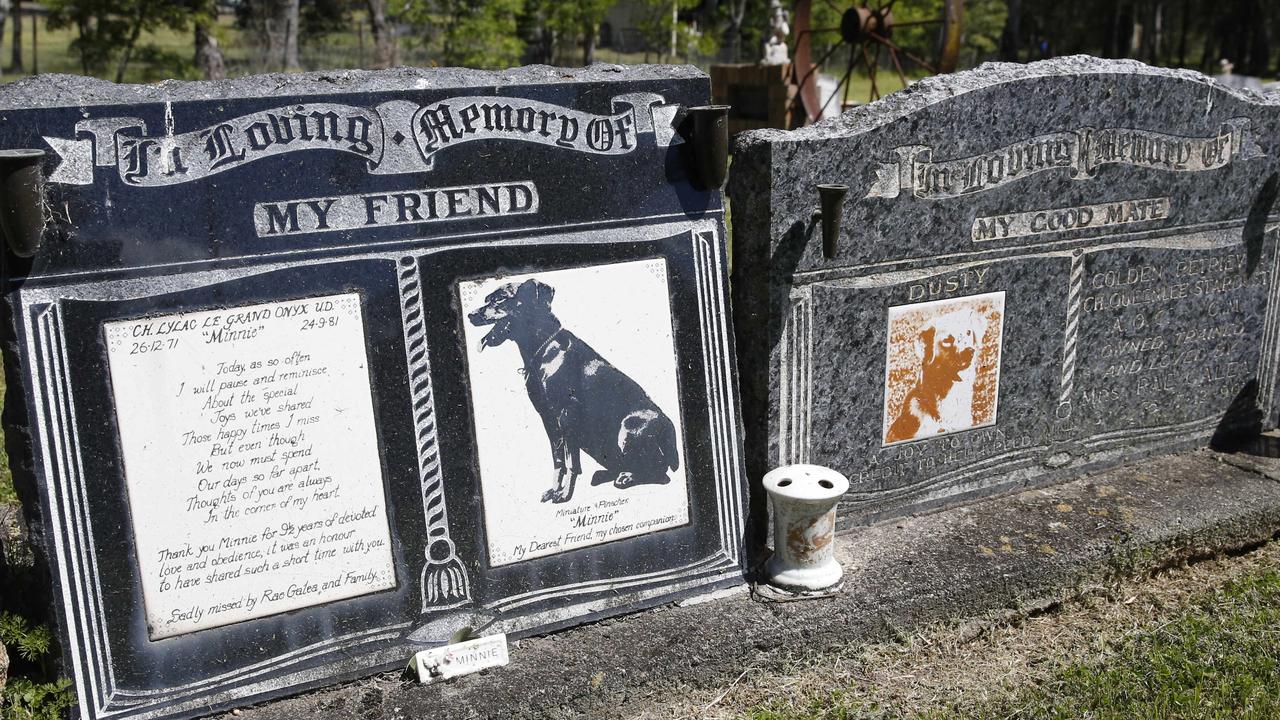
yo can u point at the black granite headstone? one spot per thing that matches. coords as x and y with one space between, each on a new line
1040 269
307 373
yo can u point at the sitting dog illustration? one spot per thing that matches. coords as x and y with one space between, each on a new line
942 398
586 404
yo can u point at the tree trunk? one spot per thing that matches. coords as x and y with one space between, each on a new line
1152 30
282 35
675 27
1208 57
84 58
589 44
548 46
733 36
1109 36
208 54
1120 43
135 32
1182 33
1260 45
384 39
291 63
15 63
4 15
1011 37
1144 51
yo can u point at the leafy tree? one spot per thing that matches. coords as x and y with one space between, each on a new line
108 30
658 21
472 33
6 6
208 56
580 20
16 44
324 17
982 24
1187 33
384 36
282 27
538 36
280 21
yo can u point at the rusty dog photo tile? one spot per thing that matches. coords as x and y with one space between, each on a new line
576 407
942 372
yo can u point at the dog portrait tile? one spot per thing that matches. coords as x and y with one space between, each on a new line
942 372
574 370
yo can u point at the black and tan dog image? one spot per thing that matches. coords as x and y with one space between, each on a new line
586 404
941 399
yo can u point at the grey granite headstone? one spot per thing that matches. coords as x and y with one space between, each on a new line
1041 270
307 373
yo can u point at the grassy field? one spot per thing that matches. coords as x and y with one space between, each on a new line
51 52
168 53
1200 642
1220 659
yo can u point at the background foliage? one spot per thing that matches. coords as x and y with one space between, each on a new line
153 39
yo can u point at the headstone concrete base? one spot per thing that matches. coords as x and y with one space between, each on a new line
1026 550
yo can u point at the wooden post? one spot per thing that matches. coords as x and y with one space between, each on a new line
35 44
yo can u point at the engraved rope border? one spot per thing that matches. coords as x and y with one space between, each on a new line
444 579
1072 333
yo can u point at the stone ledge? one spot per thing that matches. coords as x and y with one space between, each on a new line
1015 552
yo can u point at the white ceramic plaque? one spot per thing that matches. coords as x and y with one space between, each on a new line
461 658
942 372
251 460
570 367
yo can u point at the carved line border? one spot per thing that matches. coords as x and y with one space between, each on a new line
795 371
718 361
67 511
80 577
726 458
1013 460
78 572
1075 290
795 404
1172 236
1271 335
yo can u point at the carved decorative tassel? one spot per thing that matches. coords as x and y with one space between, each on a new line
444 577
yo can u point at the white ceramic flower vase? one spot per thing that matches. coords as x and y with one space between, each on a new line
804 501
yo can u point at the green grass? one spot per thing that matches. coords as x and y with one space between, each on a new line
1219 658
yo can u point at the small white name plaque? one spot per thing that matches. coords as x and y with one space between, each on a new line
461 658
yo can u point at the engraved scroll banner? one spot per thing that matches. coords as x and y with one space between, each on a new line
1081 151
466 119
379 134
